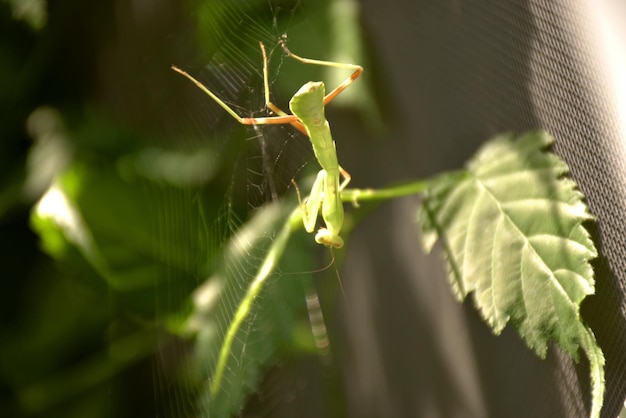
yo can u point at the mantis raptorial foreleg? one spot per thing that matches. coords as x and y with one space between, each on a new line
332 213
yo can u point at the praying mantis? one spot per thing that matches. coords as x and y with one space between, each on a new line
307 115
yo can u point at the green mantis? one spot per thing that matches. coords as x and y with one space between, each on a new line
307 108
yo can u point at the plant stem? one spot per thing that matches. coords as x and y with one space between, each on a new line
356 195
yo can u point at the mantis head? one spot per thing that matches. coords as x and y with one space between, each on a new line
308 103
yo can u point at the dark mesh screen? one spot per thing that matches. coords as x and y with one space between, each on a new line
455 73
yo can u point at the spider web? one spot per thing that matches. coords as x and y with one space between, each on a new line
233 217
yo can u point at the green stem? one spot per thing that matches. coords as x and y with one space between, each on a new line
356 195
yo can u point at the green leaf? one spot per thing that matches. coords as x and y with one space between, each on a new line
123 228
511 228
243 312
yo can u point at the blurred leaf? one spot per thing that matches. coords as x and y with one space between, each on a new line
123 227
244 287
33 12
50 152
511 228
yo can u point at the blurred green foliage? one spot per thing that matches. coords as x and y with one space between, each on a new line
118 186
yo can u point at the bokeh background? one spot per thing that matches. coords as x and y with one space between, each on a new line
91 310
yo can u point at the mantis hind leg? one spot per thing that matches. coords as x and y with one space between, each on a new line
357 70
268 100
